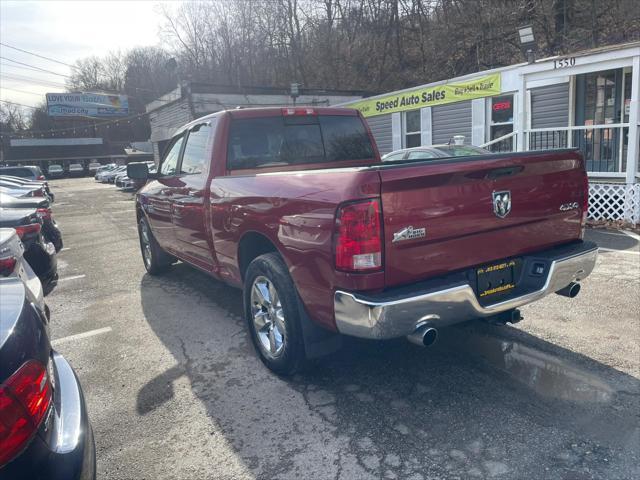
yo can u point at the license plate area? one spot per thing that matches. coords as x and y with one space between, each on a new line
496 280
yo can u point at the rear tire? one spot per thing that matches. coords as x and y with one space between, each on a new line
272 315
155 259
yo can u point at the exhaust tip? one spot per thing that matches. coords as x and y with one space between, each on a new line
423 336
570 290
430 336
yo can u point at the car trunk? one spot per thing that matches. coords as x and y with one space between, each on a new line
453 201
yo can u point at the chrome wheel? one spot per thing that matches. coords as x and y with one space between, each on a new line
145 240
268 316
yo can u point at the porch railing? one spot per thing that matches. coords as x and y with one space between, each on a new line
603 146
505 143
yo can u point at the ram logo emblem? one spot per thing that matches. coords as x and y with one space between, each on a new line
502 203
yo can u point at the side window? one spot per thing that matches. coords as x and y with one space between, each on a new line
196 149
170 160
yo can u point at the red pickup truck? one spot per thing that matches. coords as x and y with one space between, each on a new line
294 206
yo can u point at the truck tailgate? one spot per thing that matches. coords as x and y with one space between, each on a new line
453 201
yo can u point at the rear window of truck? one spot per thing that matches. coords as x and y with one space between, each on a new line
295 140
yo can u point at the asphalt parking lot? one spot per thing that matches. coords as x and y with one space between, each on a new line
174 388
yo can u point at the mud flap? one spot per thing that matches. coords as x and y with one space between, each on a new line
318 341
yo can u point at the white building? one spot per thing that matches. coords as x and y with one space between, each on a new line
194 100
588 100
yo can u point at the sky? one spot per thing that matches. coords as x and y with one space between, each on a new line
66 31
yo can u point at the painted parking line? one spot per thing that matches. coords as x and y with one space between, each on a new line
73 277
631 234
631 252
605 232
80 336
64 249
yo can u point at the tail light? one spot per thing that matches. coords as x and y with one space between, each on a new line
41 177
7 265
44 213
585 204
358 241
26 230
24 401
585 193
38 193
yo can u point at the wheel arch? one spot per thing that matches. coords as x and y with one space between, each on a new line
252 244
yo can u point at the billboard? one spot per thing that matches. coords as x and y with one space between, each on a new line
97 105
486 86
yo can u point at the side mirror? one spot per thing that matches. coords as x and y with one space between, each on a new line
138 171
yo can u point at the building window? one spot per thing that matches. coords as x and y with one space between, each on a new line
412 129
501 122
600 100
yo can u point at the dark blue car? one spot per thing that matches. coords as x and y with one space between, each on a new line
44 426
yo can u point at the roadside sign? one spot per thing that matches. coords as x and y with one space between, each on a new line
87 105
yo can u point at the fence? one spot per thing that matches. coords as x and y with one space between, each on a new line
506 143
603 146
614 201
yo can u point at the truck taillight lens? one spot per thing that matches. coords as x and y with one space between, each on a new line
26 230
44 213
7 266
585 204
358 244
24 401
585 194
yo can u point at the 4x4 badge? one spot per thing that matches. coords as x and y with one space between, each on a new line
409 233
502 203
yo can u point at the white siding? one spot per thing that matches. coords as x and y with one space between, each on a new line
452 119
382 132
166 120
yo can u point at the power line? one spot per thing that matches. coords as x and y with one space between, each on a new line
39 56
34 67
11 65
22 91
22 78
62 63
18 104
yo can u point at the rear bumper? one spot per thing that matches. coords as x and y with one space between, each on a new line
66 449
451 299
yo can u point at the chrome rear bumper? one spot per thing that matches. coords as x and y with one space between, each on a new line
396 314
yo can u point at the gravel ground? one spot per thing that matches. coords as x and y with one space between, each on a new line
175 390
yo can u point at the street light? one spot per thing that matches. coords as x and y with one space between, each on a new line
527 42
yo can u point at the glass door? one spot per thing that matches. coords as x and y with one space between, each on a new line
599 105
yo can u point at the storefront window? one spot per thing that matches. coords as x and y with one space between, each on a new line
501 122
412 129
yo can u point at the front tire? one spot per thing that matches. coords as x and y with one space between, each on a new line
155 259
272 315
